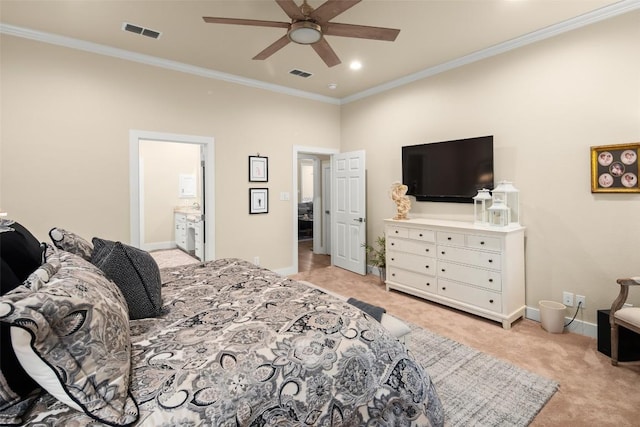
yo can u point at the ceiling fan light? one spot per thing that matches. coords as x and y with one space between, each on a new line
305 32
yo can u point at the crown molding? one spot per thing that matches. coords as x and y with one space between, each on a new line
606 12
100 49
583 20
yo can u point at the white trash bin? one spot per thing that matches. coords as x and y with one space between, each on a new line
552 316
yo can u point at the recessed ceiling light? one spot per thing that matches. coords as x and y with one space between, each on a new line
333 85
355 65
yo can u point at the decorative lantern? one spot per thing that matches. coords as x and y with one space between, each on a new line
498 213
510 195
480 201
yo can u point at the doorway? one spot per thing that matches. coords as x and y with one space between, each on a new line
311 207
184 184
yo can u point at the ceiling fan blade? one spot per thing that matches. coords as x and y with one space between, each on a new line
251 22
360 31
325 52
273 48
332 8
291 9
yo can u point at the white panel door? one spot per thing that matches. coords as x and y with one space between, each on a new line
349 212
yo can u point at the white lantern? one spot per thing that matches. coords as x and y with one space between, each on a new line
480 202
498 213
510 195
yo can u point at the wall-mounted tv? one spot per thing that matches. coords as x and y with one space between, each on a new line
448 171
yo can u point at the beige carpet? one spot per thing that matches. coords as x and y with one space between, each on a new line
591 392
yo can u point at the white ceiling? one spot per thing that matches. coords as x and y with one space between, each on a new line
435 34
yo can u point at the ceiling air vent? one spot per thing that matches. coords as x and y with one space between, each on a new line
141 30
300 73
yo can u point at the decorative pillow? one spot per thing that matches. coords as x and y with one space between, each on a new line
135 272
70 332
19 249
71 242
20 255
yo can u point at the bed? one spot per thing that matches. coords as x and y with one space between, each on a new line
235 344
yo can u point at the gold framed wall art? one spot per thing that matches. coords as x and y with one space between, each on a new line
614 168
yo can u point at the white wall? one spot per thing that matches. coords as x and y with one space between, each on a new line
66 117
163 163
545 104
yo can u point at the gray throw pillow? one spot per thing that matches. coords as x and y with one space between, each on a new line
134 271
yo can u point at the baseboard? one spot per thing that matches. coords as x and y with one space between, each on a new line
287 271
158 246
577 326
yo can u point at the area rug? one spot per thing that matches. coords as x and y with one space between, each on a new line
172 258
477 389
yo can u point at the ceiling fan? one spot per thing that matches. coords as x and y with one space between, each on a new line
309 26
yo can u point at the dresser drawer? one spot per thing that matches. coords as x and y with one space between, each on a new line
474 276
414 246
424 235
394 231
469 256
417 263
409 278
470 295
484 242
444 237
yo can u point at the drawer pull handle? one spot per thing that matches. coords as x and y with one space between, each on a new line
448 238
490 280
482 243
426 250
396 231
393 259
393 244
426 266
490 260
442 252
420 234
443 270
428 284
444 288
393 274
491 301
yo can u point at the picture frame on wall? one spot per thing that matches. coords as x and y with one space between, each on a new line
258 200
614 168
258 169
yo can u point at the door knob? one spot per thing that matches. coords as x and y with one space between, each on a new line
358 219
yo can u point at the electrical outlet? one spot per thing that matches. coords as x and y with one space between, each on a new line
581 299
256 260
567 299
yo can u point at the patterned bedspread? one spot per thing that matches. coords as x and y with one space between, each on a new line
239 345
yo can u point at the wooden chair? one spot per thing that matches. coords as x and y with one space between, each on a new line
628 317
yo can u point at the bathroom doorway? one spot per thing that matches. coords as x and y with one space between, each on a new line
171 193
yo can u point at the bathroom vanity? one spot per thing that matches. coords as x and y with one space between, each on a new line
189 231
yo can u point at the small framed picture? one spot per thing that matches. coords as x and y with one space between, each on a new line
258 169
258 200
614 168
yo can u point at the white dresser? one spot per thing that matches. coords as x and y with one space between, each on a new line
476 269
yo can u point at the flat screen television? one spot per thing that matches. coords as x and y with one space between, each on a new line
448 171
